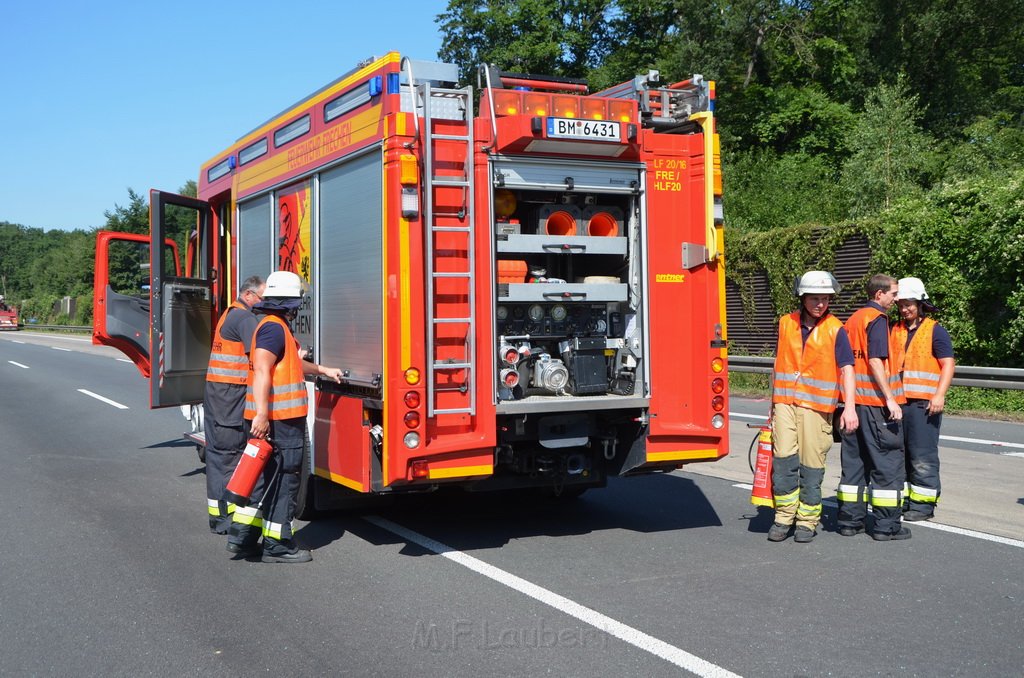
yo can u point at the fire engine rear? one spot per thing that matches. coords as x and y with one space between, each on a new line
529 296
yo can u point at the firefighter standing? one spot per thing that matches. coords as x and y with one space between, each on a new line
872 456
276 404
922 353
224 399
813 362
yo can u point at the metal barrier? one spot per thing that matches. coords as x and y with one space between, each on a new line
56 328
965 375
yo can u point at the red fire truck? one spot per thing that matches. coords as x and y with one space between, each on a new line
8 315
528 296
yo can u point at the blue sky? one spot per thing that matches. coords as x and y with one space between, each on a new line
99 97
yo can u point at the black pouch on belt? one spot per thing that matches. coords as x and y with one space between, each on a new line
837 435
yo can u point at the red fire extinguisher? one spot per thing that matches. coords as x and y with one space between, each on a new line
250 466
761 494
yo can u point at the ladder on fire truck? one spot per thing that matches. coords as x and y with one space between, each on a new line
451 266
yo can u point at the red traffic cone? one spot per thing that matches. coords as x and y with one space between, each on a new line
761 494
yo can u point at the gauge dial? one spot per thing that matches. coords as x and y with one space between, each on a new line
536 312
558 313
502 312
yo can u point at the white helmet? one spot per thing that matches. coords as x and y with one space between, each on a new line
911 288
817 282
285 285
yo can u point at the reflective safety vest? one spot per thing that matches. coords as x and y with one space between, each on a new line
916 364
867 392
288 399
806 374
228 362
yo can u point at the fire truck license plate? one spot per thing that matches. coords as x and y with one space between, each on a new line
592 130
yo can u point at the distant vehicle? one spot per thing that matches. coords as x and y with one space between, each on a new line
8 316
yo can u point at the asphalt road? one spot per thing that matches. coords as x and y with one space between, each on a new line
109 570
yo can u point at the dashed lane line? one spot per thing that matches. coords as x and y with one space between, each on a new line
628 634
102 399
24 367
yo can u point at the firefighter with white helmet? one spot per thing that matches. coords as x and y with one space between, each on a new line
276 406
922 353
813 363
872 456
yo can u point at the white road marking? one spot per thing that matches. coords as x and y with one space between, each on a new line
658 648
123 360
1013 454
61 338
58 348
956 439
17 342
980 441
930 524
741 415
25 367
101 398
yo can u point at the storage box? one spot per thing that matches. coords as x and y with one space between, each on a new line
511 271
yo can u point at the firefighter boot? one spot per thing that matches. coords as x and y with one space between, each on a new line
904 533
778 532
803 535
275 551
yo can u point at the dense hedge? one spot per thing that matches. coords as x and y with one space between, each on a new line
964 239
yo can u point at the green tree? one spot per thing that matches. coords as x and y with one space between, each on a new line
130 218
890 153
550 37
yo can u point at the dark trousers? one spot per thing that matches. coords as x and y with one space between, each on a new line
281 475
224 445
921 435
873 460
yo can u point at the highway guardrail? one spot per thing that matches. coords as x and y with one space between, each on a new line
965 375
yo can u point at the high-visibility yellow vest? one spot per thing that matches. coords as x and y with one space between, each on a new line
288 399
806 374
868 393
228 362
918 367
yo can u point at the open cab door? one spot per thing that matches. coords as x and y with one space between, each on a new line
147 309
